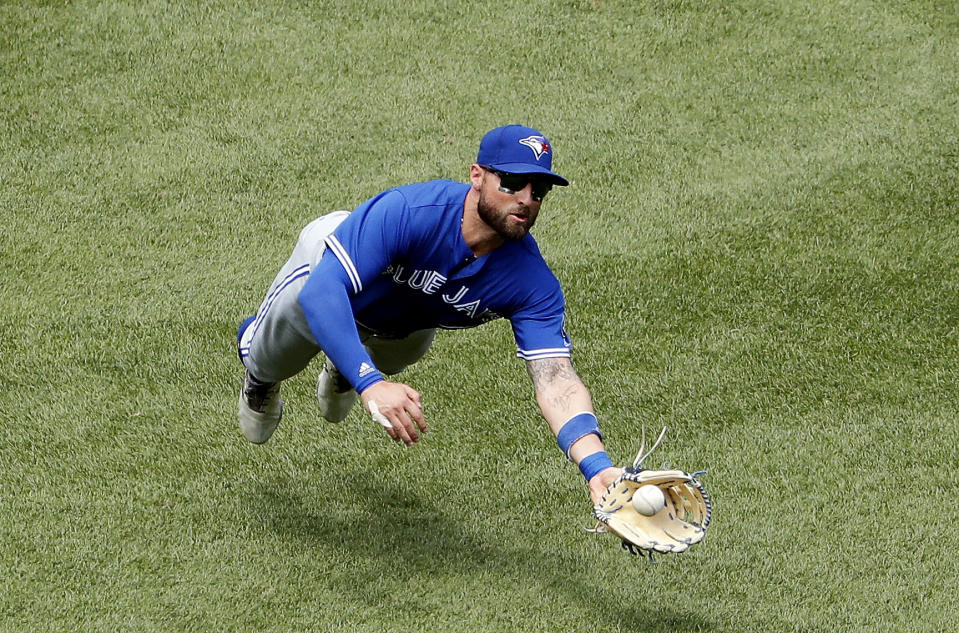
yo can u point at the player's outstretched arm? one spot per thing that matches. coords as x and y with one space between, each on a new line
568 409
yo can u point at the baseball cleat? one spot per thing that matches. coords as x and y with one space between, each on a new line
334 393
260 409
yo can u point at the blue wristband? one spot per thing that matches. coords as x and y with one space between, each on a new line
578 427
594 464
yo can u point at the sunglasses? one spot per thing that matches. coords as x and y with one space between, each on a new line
511 183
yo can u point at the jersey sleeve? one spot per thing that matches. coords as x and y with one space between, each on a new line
367 242
360 248
325 301
538 328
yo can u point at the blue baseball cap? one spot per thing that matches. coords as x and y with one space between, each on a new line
517 149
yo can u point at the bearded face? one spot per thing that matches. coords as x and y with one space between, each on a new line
504 213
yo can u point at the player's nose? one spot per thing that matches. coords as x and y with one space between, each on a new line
525 195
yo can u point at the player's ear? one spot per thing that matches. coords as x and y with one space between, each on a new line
476 175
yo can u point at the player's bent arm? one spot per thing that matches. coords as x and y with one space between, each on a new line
325 302
567 406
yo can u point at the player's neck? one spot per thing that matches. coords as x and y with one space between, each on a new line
479 236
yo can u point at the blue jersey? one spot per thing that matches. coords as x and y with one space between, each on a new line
405 266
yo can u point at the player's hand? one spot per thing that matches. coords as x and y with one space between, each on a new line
396 405
601 481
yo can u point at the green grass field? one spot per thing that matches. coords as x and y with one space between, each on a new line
759 249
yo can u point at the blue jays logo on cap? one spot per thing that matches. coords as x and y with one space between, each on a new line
538 144
517 149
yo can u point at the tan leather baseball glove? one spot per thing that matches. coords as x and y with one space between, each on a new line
680 523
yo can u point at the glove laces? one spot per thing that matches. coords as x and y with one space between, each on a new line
643 453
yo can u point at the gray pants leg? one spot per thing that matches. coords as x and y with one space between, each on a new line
279 343
393 355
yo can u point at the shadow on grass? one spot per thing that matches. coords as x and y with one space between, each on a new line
395 536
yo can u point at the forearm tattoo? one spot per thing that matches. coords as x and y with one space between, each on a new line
555 379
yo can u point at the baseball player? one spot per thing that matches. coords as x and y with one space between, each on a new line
368 289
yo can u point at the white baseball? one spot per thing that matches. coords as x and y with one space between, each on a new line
648 500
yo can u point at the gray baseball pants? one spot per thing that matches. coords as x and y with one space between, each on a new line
278 344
